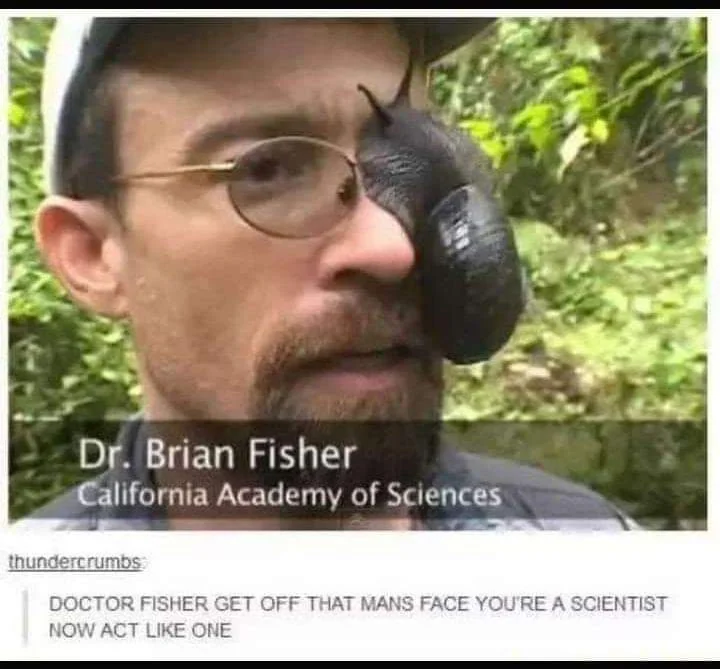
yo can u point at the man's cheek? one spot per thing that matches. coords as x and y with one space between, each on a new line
179 315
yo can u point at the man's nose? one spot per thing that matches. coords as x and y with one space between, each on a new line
372 243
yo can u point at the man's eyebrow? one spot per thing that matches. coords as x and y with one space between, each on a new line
297 121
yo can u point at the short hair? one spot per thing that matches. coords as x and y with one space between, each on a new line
92 158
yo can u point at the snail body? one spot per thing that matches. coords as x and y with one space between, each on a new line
433 179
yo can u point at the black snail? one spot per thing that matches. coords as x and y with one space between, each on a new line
431 177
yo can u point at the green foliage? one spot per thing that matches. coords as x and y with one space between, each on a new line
63 362
578 115
613 332
596 128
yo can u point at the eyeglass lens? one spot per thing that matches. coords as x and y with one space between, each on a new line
293 187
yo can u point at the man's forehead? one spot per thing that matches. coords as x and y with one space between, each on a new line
259 78
327 117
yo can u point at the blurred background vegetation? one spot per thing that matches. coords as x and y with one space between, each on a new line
597 131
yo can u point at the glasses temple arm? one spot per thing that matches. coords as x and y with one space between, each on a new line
186 169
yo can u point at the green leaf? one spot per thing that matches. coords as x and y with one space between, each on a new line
540 137
599 131
16 115
631 72
692 107
616 298
696 32
643 305
534 115
583 99
578 75
496 150
70 381
110 375
479 129
114 336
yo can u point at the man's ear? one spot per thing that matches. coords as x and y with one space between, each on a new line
81 242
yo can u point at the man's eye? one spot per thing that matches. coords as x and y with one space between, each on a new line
265 170
275 163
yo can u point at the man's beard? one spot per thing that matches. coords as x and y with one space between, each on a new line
358 321
396 429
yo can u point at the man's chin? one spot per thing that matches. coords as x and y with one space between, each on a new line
396 404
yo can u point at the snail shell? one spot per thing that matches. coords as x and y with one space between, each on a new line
471 285
433 179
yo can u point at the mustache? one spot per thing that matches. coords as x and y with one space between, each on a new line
352 323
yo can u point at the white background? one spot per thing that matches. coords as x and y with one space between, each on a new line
683 566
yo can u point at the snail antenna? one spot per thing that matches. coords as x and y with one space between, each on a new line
403 94
380 111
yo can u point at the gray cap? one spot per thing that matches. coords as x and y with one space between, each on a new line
79 46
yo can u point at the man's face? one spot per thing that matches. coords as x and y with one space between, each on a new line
232 323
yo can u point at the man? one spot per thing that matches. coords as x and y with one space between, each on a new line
213 183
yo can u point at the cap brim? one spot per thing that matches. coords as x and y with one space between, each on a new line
90 47
442 36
